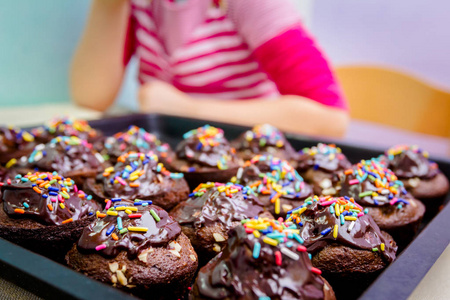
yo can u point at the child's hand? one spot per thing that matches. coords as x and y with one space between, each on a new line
161 97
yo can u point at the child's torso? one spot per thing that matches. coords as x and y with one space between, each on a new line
197 48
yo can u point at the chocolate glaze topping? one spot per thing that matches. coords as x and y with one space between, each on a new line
265 139
14 143
274 176
157 233
236 274
66 126
137 175
218 203
46 198
207 147
371 184
65 154
410 161
327 158
138 140
318 220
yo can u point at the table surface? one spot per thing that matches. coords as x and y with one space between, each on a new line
435 285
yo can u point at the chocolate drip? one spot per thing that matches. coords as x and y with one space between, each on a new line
409 164
268 170
207 146
371 189
138 140
322 157
66 126
65 155
210 206
365 234
21 200
158 234
236 274
153 178
14 143
264 139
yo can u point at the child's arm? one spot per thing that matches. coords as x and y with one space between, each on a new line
97 67
289 112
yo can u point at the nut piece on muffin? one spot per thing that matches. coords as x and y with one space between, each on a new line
205 155
67 126
138 140
263 139
14 143
278 185
256 264
319 166
345 243
136 246
211 210
384 197
421 177
69 156
44 212
139 176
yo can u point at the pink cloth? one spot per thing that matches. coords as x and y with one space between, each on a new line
251 49
298 67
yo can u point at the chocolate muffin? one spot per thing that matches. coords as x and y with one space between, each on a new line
136 247
250 267
69 156
211 210
345 243
421 177
45 213
384 197
138 140
263 139
67 126
139 176
319 166
14 143
278 185
205 155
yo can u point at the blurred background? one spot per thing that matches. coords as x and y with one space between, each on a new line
38 39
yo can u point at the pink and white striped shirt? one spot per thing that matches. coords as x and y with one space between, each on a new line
242 49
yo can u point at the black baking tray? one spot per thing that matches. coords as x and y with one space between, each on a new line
51 280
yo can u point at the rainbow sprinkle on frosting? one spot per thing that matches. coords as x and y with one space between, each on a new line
69 125
207 135
276 233
135 169
138 137
53 186
330 150
389 188
399 149
66 142
276 183
264 133
21 134
228 188
345 208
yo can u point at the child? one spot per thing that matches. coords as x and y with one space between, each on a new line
237 61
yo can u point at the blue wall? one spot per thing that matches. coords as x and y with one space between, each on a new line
37 39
